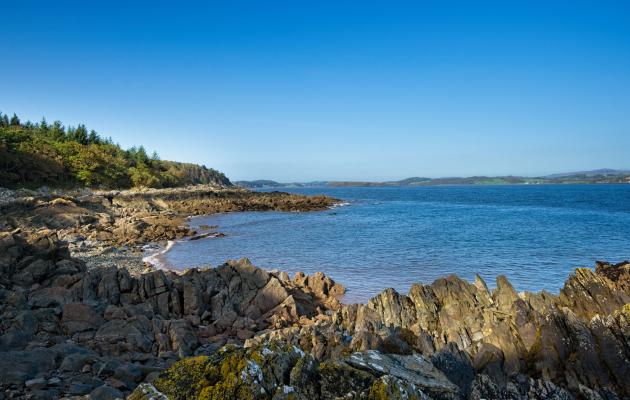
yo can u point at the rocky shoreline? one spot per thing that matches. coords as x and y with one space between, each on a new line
82 318
111 227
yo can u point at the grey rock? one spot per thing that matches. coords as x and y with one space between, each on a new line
75 362
79 389
456 366
37 383
106 393
128 373
415 369
79 317
16 367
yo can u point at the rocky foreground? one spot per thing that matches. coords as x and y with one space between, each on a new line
71 329
103 333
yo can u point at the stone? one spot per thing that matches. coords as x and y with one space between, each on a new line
415 369
49 297
79 389
75 362
243 334
182 337
108 368
106 393
79 317
456 366
37 383
128 373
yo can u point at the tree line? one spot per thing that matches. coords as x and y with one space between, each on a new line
53 154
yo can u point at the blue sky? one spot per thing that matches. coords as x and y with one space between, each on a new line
332 90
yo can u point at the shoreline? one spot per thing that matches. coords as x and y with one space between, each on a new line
153 259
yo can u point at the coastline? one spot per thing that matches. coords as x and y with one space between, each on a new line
97 304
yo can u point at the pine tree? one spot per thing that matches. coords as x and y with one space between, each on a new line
15 121
43 125
93 137
141 155
81 134
2 125
57 131
5 120
70 134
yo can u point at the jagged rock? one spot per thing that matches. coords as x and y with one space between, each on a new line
616 274
473 341
456 365
276 370
415 370
588 294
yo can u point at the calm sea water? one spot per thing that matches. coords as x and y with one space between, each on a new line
393 237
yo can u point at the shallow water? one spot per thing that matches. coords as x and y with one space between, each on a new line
393 237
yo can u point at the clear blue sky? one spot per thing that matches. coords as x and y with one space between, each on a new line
361 90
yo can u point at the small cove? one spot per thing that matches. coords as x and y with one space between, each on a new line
394 237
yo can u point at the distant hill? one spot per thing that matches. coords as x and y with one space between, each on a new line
269 184
595 176
592 173
54 155
258 184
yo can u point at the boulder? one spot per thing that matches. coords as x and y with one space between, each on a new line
79 317
106 393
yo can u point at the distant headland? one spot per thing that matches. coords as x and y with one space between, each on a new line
604 175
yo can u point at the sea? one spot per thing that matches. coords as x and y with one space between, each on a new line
381 237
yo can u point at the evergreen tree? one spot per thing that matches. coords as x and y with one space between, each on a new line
43 125
141 155
70 134
68 156
93 137
15 121
81 134
57 131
